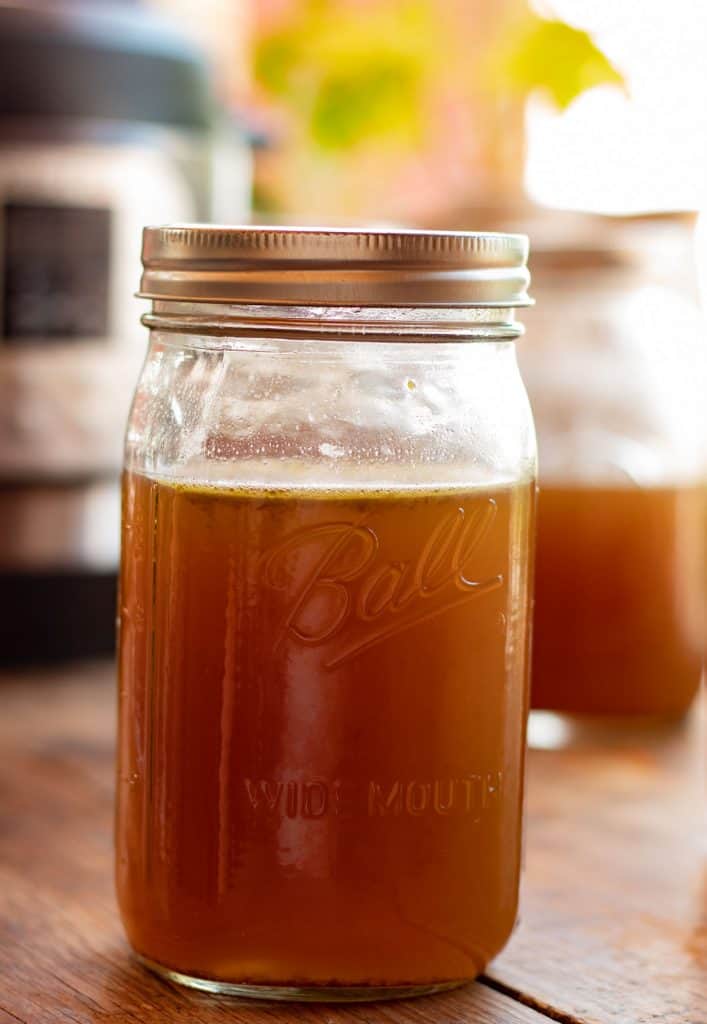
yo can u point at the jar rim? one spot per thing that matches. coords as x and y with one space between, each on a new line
340 267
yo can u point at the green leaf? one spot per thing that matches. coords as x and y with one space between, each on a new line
275 58
378 99
551 56
350 75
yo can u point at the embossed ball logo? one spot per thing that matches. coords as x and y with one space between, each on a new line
346 595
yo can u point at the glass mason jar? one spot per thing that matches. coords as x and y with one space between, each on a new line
615 367
324 611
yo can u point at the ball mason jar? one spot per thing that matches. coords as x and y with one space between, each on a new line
324 611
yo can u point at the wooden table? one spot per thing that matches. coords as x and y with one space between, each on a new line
614 918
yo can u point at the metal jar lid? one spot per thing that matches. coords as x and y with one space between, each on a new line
334 266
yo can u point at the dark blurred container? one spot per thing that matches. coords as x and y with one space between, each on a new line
107 122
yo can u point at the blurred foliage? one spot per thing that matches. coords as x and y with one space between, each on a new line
551 57
353 73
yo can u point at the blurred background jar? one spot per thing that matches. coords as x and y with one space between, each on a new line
107 121
615 366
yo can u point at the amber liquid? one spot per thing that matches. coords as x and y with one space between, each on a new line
619 612
323 702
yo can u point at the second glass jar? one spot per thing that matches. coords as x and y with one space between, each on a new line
615 366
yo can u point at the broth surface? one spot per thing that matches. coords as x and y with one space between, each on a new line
619 607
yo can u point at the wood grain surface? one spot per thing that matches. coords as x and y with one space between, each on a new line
614 907
614 922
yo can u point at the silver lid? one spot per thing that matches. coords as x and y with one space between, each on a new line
333 266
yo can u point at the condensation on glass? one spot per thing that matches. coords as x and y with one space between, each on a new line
327 521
